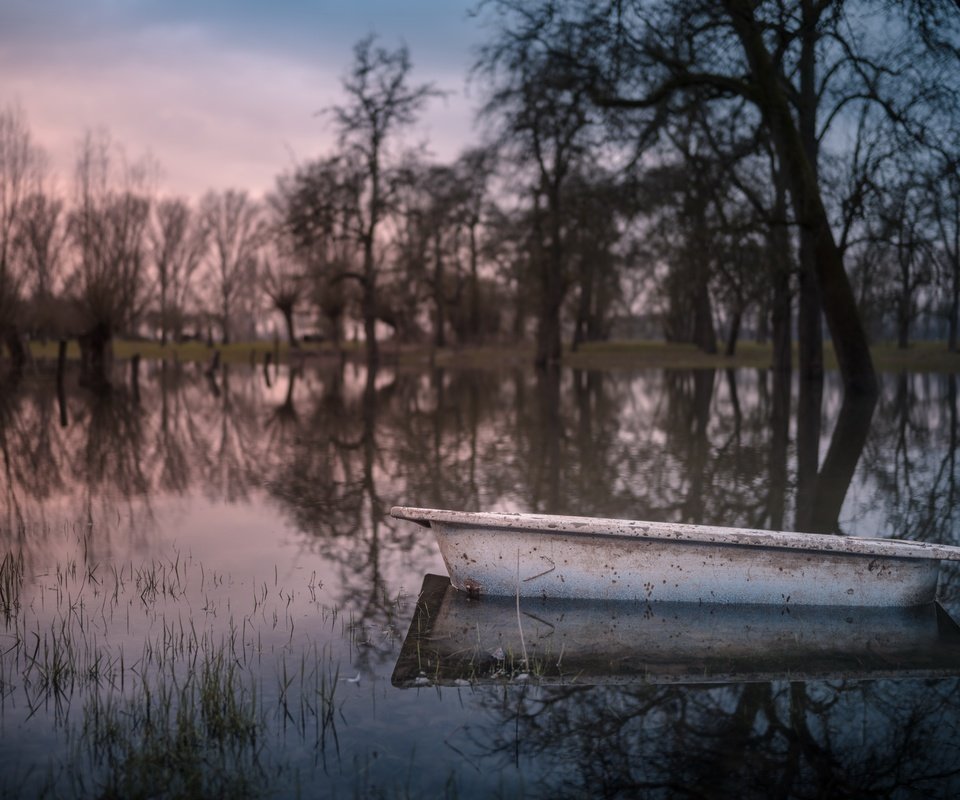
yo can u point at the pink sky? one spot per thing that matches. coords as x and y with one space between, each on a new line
221 95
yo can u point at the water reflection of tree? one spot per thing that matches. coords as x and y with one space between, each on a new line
329 482
78 475
781 739
336 450
911 457
98 473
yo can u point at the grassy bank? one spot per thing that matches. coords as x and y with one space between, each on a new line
919 357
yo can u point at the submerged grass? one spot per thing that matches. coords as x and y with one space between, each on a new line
11 584
156 681
195 736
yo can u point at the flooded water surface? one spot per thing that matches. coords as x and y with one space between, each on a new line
202 589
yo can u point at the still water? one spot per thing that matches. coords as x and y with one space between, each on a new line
202 592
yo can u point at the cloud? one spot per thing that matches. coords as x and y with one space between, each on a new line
214 102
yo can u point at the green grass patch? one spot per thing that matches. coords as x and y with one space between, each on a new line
234 353
918 357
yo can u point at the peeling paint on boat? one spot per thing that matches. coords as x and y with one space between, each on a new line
536 555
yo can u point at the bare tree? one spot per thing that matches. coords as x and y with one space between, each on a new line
284 283
380 102
898 234
799 67
178 241
944 188
237 230
474 168
108 229
428 215
544 123
316 210
18 163
599 206
40 249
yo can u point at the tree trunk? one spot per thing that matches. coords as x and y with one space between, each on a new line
439 294
734 333
903 321
474 285
846 444
370 305
61 388
164 310
839 303
547 494
779 446
585 302
809 325
809 405
954 306
549 346
781 314
18 353
287 311
704 332
95 357
135 377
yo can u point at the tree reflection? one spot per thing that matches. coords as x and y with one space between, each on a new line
335 446
911 460
781 739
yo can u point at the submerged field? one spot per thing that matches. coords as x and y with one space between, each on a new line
202 592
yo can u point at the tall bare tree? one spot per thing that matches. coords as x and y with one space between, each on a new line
944 189
18 163
380 103
475 168
799 67
40 249
284 282
107 226
178 243
544 121
237 230
316 210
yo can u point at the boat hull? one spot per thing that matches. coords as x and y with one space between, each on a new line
531 555
506 562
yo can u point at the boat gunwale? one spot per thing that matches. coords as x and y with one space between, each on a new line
552 524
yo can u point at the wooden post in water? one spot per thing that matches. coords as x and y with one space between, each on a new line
266 368
135 376
214 364
61 391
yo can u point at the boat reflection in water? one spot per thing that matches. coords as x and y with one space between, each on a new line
457 640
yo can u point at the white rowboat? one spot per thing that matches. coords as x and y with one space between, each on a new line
539 555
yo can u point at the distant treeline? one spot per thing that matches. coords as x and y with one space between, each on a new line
721 166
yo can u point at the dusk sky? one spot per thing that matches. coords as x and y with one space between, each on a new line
222 93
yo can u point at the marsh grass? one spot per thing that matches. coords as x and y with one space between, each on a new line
198 736
165 678
11 583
